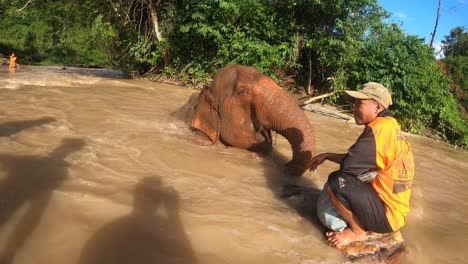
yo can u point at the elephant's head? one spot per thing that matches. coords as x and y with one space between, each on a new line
240 108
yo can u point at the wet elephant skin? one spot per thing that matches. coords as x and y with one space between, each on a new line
242 106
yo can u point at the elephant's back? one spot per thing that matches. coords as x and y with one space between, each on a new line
231 75
239 70
227 78
237 73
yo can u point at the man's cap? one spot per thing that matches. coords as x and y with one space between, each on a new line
375 91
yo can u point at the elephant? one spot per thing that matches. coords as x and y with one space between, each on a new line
242 106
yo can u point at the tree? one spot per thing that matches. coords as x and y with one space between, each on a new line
435 26
455 64
456 43
58 32
330 34
421 93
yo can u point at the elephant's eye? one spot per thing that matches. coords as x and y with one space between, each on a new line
242 91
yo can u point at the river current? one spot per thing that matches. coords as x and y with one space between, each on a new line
95 168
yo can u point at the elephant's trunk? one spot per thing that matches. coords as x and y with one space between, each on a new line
285 117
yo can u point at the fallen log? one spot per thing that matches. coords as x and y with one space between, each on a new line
313 99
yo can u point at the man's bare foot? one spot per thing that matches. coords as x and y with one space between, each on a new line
339 239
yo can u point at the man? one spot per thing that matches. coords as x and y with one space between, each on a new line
371 190
12 61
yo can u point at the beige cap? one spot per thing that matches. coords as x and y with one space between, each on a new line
375 91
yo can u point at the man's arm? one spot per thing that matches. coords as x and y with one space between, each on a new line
361 156
319 159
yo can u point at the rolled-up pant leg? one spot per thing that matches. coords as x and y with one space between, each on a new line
327 214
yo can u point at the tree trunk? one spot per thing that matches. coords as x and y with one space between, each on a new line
309 81
435 27
154 18
21 9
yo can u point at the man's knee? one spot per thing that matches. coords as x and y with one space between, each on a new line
337 181
327 214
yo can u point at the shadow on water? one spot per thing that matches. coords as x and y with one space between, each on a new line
30 180
298 193
10 128
151 233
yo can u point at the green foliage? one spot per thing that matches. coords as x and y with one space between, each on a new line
220 32
50 33
332 32
456 43
421 93
456 64
102 32
457 70
450 125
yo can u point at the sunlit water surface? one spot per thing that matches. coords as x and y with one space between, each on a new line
98 169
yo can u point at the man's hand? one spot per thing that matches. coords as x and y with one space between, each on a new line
317 160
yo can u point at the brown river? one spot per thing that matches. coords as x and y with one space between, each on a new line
95 168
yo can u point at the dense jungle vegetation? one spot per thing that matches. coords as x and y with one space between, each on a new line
315 46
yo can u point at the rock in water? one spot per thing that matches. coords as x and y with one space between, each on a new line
380 246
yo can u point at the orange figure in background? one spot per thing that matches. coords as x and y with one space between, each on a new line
12 61
13 64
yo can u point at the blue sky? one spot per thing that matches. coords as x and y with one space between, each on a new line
417 17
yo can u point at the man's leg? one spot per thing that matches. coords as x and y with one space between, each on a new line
354 232
327 214
359 204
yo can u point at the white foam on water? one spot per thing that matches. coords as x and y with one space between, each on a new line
56 77
11 86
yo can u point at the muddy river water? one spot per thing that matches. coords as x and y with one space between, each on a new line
98 169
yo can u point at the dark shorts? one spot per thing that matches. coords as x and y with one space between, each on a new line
362 200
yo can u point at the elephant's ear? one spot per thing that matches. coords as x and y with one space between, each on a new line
206 117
